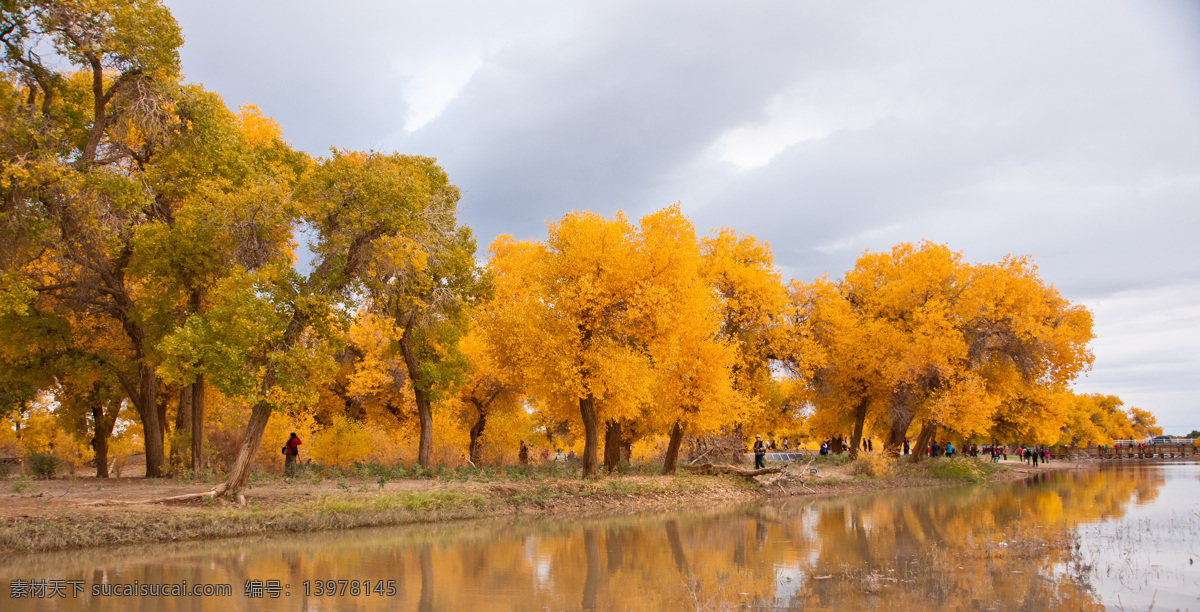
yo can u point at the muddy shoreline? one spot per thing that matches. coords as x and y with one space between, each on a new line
48 515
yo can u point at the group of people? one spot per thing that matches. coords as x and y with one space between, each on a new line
1032 455
523 455
828 444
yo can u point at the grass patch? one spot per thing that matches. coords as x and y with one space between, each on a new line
960 468
626 487
425 501
21 484
540 496
832 459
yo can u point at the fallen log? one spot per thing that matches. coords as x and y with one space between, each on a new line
709 469
160 500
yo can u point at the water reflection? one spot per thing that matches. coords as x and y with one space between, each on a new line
1003 547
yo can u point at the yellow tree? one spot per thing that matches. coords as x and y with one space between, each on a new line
1144 423
563 321
755 318
695 359
616 320
269 328
1096 419
1024 344
850 357
970 349
487 394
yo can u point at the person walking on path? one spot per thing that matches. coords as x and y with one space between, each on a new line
291 451
760 453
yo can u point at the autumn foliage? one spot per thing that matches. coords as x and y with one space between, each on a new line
175 276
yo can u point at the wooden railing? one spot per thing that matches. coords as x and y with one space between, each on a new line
1184 448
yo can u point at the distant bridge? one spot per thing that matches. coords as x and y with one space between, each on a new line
1132 449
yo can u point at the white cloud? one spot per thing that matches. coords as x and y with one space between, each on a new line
432 84
821 105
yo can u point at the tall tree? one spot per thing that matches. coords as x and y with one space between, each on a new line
563 320
226 183
77 149
694 354
487 393
613 321
755 317
426 280
268 328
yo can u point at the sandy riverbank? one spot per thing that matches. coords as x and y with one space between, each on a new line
41 515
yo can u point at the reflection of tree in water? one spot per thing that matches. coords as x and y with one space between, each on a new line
591 548
964 548
974 548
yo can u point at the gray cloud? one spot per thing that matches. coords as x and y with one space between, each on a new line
1067 131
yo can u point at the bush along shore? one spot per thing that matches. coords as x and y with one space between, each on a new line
65 513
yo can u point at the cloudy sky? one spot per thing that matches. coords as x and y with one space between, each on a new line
1069 131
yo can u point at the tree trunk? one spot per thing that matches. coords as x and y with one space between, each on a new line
612 445
183 429
474 450
152 432
672 457
591 437
860 417
103 425
918 449
100 445
240 470
897 432
425 415
737 456
198 425
163 398
835 445
420 394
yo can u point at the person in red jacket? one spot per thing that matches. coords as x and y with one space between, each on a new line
290 451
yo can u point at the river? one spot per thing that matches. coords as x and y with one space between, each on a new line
1120 537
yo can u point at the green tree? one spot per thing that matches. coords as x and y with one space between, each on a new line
269 328
75 149
426 280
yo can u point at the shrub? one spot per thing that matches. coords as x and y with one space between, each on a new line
875 465
43 465
342 443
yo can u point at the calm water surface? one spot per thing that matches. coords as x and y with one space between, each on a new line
1123 537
